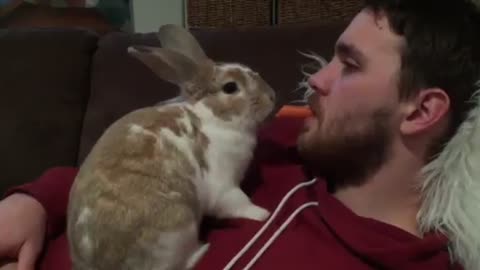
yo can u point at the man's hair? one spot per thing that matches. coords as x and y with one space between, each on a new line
441 50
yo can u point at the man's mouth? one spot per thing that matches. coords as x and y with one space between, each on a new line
310 122
313 104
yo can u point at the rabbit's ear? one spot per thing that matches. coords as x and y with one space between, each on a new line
177 38
167 64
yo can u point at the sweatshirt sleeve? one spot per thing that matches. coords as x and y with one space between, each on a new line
52 190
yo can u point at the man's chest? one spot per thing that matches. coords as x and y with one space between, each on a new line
298 247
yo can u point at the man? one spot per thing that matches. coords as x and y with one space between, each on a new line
394 93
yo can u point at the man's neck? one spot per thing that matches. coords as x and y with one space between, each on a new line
388 196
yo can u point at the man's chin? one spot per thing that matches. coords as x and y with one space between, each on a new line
308 129
304 147
343 161
302 140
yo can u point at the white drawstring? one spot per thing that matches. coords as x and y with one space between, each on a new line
278 232
269 221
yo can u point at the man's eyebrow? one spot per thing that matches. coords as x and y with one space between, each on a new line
348 50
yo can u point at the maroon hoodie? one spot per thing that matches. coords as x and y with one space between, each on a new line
310 230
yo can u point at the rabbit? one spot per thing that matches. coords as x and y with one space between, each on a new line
140 195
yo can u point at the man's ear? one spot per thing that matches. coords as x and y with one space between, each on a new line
425 111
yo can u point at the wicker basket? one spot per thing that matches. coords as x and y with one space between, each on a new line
300 11
229 13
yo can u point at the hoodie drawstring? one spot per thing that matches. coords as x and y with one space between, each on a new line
267 224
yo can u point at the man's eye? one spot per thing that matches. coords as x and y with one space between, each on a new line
349 66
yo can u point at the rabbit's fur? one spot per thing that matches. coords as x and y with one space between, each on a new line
141 193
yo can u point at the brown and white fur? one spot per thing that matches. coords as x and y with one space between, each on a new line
139 197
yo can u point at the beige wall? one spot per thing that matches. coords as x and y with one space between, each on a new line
148 15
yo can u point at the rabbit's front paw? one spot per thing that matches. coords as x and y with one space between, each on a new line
254 212
235 204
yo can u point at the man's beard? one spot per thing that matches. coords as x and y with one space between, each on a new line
349 149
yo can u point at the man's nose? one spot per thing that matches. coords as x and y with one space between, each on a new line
320 82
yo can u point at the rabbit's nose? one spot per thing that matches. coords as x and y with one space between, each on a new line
271 95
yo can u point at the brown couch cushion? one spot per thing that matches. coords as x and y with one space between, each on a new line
44 90
121 84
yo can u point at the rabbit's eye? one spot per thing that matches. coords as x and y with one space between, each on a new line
230 87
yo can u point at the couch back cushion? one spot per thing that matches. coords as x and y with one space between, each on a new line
121 83
44 90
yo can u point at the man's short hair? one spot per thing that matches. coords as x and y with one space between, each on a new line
442 49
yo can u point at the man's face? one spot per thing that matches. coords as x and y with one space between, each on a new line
355 102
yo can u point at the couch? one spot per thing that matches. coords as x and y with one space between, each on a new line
60 88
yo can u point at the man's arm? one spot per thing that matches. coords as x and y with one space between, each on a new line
52 190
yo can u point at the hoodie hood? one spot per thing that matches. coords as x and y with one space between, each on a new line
381 245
